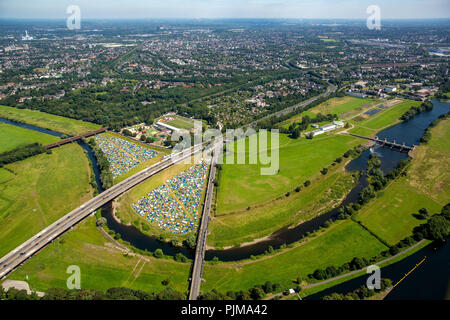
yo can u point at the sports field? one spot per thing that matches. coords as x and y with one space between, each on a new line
337 245
47 121
12 137
426 186
39 190
181 123
102 266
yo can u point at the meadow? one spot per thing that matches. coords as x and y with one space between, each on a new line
102 265
12 137
335 246
37 191
242 185
383 119
426 185
47 121
324 193
344 107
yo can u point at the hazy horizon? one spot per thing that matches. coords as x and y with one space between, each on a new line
225 9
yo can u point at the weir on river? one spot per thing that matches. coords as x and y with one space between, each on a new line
386 143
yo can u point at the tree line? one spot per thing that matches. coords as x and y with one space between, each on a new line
361 293
117 293
22 153
427 134
106 176
414 110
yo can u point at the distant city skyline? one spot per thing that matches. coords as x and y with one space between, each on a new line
194 9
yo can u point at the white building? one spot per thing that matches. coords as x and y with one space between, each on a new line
27 37
328 127
390 89
316 133
339 123
166 126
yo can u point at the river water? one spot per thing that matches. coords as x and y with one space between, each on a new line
409 132
430 281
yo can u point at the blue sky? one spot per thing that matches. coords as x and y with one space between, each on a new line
225 8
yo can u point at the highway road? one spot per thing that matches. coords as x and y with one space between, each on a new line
199 259
23 252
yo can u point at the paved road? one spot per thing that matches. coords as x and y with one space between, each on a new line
23 252
199 259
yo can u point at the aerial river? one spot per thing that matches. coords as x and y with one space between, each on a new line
409 132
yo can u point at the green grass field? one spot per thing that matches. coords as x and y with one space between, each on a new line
383 119
426 186
344 107
47 121
243 185
337 245
42 189
102 265
181 123
12 137
245 226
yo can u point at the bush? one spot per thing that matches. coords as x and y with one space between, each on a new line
158 253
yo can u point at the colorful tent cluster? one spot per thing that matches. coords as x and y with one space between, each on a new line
123 155
188 187
173 206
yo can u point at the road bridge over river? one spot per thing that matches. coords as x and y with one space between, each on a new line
19 255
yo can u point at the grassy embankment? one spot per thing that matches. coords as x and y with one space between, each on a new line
102 265
37 191
382 120
390 216
47 121
12 137
427 185
334 246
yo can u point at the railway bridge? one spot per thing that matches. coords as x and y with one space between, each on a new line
72 139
